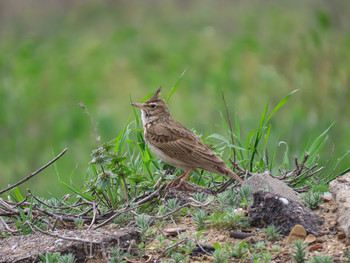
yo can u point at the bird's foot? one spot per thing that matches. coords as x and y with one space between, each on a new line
185 185
170 184
184 176
182 183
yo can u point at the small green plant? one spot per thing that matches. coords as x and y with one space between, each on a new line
220 255
79 222
50 258
68 258
53 202
109 175
162 240
222 199
217 219
244 224
236 220
178 257
24 217
299 251
123 219
239 250
227 199
141 249
185 211
3 234
266 257
118 256
312 200
322 259
255 257
246 196
232 198
260 246
275 249
347 255
199 219
200 197
272 233
162 210
143 222
188 246
172 205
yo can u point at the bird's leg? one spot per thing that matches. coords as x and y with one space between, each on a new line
185 175
173 181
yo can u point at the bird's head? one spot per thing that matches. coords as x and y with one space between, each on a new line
153 109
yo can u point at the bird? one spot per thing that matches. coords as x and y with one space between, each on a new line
175 144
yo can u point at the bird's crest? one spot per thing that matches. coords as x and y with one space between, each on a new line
156 94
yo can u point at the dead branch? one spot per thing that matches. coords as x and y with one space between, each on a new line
94 215
199 245
225 185
149 197
2 221
35 228
117 213
34 173
56 207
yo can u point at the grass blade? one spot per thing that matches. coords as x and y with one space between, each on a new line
75 190
175 86
18 194
317 144
280 104
122 138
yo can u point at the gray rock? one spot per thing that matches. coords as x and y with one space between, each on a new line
340 189
272 209
265 182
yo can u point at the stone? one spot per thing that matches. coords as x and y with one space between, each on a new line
173 231
341 235
298 233
271 209
240 235
221 238
310 239
202 249
327 197
340 189
251 240
264 181
317 246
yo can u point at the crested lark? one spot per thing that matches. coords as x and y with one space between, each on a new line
176 145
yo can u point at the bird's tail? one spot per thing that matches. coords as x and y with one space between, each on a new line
236 177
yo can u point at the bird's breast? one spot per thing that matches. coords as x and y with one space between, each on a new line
144 118
165 158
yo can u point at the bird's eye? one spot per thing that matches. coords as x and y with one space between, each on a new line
153 106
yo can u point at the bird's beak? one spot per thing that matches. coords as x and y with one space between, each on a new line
138 105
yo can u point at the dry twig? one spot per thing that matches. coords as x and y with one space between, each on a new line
34 173
35 228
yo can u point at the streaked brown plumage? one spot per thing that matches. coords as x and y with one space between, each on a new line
176 145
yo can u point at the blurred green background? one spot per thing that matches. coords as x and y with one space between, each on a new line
56 54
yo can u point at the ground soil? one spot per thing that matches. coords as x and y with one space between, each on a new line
331 241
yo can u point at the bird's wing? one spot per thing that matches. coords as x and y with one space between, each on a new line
177 141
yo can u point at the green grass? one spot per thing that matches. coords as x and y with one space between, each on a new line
54 56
